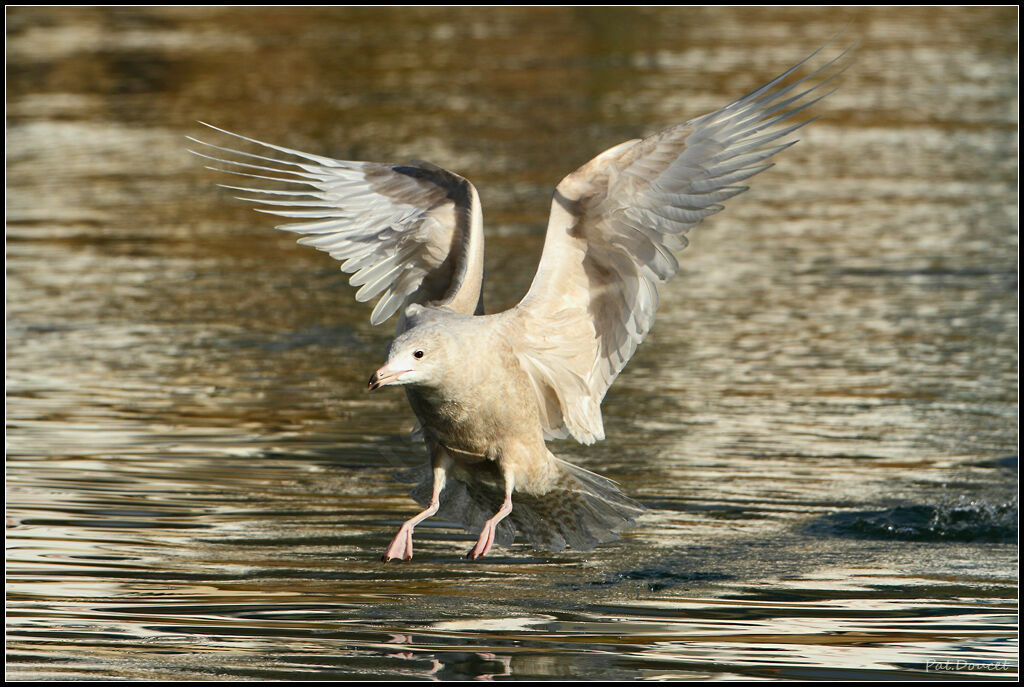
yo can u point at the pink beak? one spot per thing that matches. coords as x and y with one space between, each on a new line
383 377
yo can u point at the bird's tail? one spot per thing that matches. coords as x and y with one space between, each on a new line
580 510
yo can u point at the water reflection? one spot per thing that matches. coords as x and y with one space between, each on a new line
822 420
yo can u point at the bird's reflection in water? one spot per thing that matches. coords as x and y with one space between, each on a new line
456 665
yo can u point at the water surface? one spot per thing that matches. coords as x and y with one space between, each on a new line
823 422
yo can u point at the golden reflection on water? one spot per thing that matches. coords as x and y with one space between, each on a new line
197 486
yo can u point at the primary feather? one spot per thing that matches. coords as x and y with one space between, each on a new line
615 226
409 233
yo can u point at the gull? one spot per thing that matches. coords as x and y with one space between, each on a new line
488 390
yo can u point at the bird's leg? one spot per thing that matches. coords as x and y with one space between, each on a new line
401 545
486 540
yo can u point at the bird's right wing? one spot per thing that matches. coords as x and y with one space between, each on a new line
615 225
408 233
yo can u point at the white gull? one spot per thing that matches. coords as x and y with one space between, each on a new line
488 389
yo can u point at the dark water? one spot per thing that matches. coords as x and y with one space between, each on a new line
823 422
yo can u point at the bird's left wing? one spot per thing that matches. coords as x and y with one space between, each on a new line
615 225
408 233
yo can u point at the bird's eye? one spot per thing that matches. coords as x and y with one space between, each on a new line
417 354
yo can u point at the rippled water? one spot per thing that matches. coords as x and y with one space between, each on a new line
823 421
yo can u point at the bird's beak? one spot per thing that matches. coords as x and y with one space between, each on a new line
384 377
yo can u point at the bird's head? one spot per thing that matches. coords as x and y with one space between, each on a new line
416 357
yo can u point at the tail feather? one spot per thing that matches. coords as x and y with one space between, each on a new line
580 511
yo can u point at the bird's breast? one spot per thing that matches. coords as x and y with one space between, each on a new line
480 421
453 422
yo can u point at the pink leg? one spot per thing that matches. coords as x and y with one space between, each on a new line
486 540
401 545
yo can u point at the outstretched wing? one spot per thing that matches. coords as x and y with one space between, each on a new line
407 233
615 225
